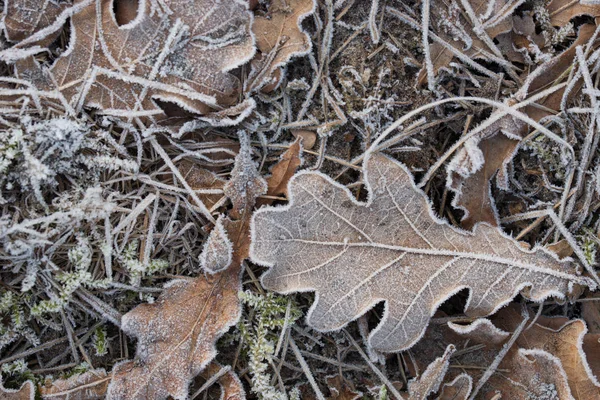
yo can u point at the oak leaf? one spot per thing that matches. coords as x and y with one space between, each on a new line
549 353
177 334
392 249
279 37
175 57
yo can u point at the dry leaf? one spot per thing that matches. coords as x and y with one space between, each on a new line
282 172
590 312
549 351
562 11
87 386
392 249
177 334
535 374
245 184
179 58
489 153
458 389
309 138
231 387
279 37
23 18
217 252
341 390
456 29
431 379
25 392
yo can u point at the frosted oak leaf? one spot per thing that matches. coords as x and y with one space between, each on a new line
177 56
393 249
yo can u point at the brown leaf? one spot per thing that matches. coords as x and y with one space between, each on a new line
431 379
340 389
119 69
563 11
534 374
245 184
231 387
282 172
498 144
25 392
590 312
89 385
279 37
309 138
23 18
392 248
458 389
177 334
549 351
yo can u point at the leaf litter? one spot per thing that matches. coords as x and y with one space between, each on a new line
155 156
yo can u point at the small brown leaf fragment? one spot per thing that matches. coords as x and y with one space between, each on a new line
279 37
282 172
87 386
25 392
458 389
245 184
590 312
481 330
563 11
231 387
392 248
562 248
473 195
340 389
431 379
309 138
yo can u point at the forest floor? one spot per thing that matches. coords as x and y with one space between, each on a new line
299 199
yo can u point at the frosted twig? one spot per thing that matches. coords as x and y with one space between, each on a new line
425 43
306 369
374 368
373 28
